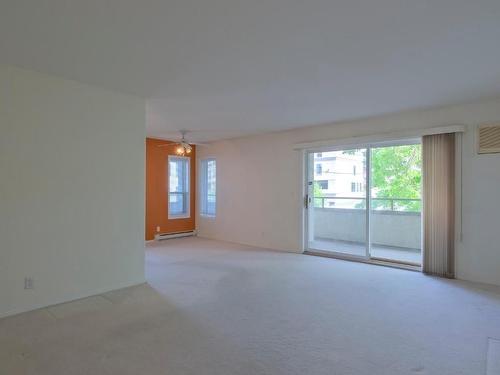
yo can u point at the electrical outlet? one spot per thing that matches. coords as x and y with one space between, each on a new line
158 228
28 283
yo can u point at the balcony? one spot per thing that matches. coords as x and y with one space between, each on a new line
339 225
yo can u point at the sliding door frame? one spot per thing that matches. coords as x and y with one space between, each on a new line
308 201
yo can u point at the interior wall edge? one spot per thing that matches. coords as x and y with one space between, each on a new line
72 161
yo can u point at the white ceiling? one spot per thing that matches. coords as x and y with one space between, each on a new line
226 68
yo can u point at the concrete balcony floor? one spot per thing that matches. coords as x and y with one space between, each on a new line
400 254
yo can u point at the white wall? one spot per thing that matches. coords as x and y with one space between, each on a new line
71 190
259 187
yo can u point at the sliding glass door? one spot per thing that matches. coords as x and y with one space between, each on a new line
396 203
338 208
365 202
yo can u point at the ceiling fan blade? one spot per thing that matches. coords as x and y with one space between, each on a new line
177 143
168 144
199 144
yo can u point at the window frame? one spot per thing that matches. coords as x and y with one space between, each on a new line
202 186
186 193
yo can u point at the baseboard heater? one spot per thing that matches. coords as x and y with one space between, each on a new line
167 236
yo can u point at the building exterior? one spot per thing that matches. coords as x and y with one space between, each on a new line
339 178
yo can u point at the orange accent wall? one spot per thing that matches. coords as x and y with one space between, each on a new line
157 189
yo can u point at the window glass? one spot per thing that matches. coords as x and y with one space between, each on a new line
208 187
178 187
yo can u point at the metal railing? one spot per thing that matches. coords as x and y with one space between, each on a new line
394 204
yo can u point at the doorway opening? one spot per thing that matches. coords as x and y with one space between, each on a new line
365 202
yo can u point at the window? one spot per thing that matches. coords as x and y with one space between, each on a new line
208 179
354 170
323 184
356 187
319 168
178 187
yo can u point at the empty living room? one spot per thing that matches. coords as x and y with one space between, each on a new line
235 187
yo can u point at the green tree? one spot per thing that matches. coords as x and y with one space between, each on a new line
317 194
397 173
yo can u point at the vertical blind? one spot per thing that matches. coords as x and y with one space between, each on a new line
208 197
438 153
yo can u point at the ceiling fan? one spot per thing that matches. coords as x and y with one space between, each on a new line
182 146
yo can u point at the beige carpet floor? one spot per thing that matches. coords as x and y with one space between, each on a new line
214 308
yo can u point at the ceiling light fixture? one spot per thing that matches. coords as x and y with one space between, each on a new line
183 147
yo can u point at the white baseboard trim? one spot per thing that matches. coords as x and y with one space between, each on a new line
67 299
257 246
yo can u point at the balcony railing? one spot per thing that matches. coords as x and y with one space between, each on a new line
395 224
387 204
